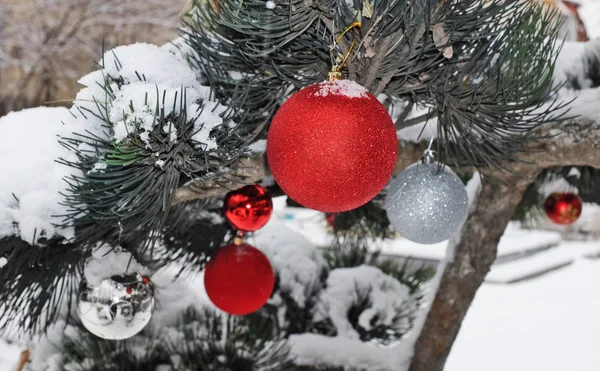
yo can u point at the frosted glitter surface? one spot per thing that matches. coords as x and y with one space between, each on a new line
346 88
426 204
331 153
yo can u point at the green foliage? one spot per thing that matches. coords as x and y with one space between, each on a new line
485 67
589 77
414 277
37 282
201 341
530 207
366 222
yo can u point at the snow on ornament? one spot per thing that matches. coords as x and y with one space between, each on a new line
117 308
249 208
239 279
332 146
427 202
563 208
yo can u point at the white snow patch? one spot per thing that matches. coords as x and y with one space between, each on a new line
176 294
558 185
44 350
549 323
296 261
590 15
208 119
149 63
316 350
346 88
153 79
387 297
415 133
260 146
30 199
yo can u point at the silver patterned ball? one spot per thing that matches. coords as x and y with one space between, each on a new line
120 307
427 203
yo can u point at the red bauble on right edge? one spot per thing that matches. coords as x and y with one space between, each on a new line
239 279
563 208
332 146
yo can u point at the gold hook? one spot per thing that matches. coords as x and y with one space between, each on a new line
353 25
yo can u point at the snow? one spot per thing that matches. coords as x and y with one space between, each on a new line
313 349
30 199
260 146
516 325
549 323
296 261
569 61
414 133
590 15
174 295
527 267
159 65
162 82
311 224
347 88
345 286
9 355
584 104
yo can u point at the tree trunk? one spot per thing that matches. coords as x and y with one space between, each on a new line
474 252
573 142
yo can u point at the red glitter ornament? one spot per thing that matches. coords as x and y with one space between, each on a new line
249 208
563 208
239 279
332 146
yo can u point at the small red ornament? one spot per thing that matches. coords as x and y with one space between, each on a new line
249 208
239 279
563 208
332 146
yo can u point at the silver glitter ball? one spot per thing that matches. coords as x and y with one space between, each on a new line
426 203
120 307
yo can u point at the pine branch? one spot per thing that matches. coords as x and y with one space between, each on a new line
247 171
403 123
255 168
37 282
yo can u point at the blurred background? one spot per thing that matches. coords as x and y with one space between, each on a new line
47 45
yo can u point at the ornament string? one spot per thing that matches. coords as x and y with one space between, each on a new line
429 154
336 68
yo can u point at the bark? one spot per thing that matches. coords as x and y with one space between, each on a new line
248 170
474 254
576 142
252 169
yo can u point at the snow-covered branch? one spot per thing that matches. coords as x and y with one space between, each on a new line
46 45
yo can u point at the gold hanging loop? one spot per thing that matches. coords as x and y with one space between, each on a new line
336 69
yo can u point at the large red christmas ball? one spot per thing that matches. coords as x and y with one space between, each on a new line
332 146
563 208
239 279
249 208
